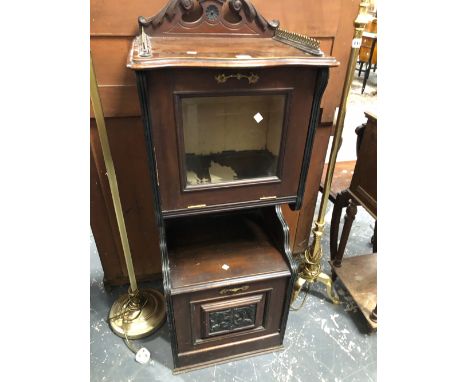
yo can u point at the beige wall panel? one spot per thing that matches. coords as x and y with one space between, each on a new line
119 101
110 60
126 139
316 18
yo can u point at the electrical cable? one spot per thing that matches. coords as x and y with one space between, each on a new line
131 305
303 300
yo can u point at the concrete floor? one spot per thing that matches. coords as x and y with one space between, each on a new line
323 342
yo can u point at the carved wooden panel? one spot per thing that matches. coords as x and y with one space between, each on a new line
232 319
204 319
202 17
232 315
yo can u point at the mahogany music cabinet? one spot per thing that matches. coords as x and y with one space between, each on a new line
230 104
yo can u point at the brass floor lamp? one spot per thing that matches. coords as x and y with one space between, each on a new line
310 270
138 313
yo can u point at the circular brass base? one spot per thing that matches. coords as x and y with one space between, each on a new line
137 316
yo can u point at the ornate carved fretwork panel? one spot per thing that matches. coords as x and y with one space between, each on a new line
232 319
202 17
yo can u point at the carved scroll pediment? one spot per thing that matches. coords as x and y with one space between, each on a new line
202 17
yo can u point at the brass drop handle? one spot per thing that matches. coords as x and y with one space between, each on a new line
222 78
234 290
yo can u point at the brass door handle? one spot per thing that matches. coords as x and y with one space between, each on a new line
234 290
222 78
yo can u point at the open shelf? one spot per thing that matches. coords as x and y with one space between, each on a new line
209 248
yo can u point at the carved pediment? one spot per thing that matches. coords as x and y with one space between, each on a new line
208 17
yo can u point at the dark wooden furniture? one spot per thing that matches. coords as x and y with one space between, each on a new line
230 277
113 27
362 191
230 112
341 181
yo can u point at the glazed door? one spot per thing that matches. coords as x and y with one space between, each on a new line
229 138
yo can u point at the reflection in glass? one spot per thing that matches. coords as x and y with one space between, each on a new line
231 138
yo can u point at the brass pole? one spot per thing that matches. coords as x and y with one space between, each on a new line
109 163
310 270
136 314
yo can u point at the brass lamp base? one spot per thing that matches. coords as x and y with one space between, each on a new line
310 271
137 315
321 278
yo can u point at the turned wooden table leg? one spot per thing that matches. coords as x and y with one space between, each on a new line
351 211
341 201
360 68
368 66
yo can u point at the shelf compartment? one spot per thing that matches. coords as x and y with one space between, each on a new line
213 250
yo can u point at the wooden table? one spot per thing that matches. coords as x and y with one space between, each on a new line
358 273
368 49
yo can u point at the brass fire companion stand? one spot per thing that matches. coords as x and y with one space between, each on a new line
310 270
138 313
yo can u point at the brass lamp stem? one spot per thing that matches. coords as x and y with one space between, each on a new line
109 163
135 314
310 269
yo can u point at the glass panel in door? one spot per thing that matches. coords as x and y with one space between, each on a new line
231 139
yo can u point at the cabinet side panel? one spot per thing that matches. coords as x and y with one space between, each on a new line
156 204
303 218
